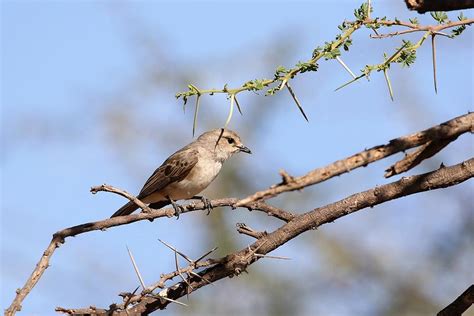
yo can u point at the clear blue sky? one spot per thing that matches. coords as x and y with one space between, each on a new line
62 62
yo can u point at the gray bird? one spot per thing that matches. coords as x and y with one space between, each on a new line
188 171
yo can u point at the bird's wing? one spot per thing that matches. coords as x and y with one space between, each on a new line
174 169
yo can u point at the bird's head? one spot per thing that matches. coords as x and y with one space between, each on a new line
224 142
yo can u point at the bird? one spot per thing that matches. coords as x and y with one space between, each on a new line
188 171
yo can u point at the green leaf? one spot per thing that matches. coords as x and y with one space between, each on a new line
255 85
362 13
458 30
307 66
346 44
332 54
316 52
407 55
414 21
439 16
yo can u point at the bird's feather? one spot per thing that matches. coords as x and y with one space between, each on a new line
174 169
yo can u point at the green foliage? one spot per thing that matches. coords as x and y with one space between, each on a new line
307 66
362 13
343 26
332 54
376 23
414 21
280 71
272 91
192 90
439 16
318 50
404 55
407 55
255 85
347 43
458 30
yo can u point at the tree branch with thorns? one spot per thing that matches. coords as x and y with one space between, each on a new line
193 277
405 55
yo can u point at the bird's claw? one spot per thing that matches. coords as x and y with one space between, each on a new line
178 209
207 204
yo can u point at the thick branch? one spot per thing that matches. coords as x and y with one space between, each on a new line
447 130
423 6
413 159
461 304
233 264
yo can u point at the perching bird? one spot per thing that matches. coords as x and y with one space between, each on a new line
188 171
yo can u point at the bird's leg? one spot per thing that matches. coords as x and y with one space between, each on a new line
207 203
178 209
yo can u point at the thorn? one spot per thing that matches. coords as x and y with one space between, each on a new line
368 9
206 254
433 51
201 277
136 268
348 83
177 251
196 110
181 275
296 101
272 257
173 301
283 84
231 110
385 73
238 105
345 67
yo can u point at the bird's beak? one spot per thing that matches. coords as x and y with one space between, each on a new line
244 149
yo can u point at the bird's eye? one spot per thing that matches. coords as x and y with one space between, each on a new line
230 140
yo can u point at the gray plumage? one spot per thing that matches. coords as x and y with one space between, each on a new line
188 171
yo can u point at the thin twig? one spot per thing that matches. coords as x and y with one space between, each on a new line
111 189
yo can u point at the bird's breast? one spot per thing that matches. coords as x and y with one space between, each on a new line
200 176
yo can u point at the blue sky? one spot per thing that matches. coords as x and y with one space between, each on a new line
65 67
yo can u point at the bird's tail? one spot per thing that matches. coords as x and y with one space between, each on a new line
127 209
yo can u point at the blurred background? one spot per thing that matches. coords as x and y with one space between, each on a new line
87 97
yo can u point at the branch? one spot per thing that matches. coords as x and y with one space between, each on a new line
413 159
423 6
60 236
237 262
405 56
447 130
461 304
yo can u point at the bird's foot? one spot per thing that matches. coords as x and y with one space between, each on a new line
178 209
207 204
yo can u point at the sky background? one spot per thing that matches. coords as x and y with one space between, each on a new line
87 97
